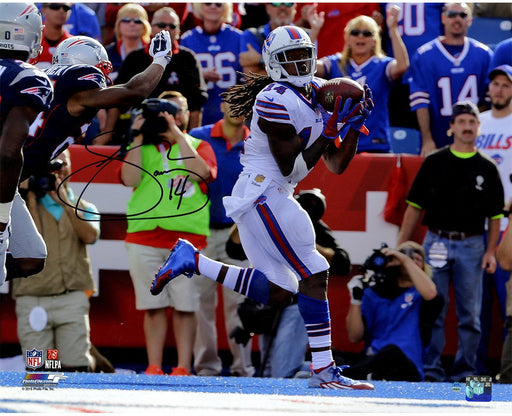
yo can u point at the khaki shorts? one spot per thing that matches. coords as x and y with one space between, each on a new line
67 328
181 293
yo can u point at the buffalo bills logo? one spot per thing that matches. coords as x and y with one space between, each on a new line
269 39
497 158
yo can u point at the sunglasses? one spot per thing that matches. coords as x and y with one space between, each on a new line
453 14
365 33
213 4
56 6
163 25
282 4
137 21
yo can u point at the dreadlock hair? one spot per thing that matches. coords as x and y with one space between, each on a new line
241 97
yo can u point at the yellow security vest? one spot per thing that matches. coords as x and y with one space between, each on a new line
166 196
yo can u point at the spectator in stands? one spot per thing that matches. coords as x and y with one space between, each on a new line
494 131
132 32
84 21
279 14
55 16
159 220
447 69
363 61
217 45
496 10
504 256
460 190
53 306
418 23
182 74
226 138
502 53
392 309
334 16
100 11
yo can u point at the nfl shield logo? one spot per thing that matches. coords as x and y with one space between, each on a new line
34 358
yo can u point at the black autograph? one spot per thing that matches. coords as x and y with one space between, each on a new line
178 187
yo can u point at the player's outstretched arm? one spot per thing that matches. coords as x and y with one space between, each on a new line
135 90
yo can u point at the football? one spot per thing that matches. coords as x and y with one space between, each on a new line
344 87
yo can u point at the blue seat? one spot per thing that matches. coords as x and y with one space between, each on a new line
405 140
490 30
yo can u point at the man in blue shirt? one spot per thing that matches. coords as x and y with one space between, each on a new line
445 70
390 313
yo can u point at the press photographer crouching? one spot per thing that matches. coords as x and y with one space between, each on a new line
393 307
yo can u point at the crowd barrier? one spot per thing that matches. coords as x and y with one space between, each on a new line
355 204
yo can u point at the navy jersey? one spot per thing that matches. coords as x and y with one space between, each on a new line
219 51
55 129
440 79
22 84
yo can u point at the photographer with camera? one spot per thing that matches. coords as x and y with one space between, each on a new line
163 157
392 309
52 306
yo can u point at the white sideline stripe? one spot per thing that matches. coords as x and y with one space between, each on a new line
66 400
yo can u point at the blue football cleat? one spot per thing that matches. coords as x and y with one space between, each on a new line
330 378
181 260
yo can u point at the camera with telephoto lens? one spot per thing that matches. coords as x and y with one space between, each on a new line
154 123
43 182
383 274
256 318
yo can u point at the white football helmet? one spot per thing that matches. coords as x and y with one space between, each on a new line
276 57
82 50
21 28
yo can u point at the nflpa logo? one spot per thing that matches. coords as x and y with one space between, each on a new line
52 354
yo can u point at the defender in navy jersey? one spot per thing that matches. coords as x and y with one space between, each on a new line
80 75
24 92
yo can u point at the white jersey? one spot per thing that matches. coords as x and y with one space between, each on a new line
279 103
495 141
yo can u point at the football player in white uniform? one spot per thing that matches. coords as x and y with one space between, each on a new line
290 132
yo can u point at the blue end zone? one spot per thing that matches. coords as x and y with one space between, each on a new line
285 387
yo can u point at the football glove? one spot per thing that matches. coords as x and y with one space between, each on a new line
335 122
161 46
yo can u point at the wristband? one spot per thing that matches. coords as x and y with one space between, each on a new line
162 60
